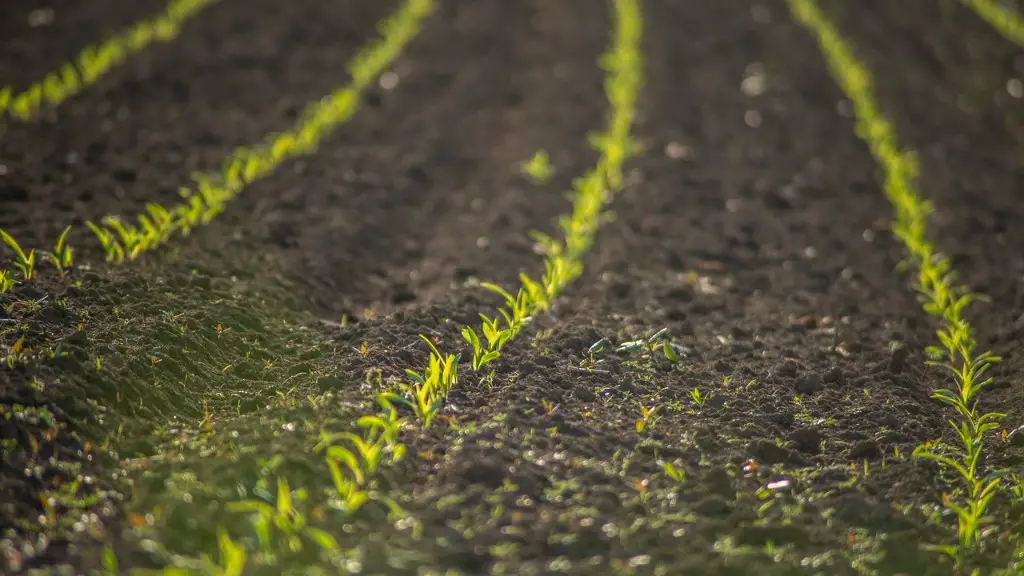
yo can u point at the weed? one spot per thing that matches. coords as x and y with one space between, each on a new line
25 263
935 284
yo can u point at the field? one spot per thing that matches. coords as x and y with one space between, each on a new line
491 287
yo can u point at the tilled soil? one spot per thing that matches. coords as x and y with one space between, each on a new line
752 227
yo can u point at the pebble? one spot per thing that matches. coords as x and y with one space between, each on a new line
768 452
809 383
865 449
1016 437
835 375
806 439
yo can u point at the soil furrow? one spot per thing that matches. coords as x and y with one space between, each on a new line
175 109
422 190
41 35
766 257
945 79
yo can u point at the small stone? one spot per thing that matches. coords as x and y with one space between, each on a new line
1016 437
806 439
714 506
835 375
768 452
809 383
788 367
898 359
723 367
865 449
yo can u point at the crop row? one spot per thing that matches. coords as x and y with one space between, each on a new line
353 459
96 60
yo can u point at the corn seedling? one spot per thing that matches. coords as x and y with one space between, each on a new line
96 60
563 258
210 193
61 257
538 168
698 398
25 263
281 524
677 474
428 389
1004 19
935 284
647 418
7 281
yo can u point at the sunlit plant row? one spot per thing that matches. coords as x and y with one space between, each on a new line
938 291
96 60
563 258
354 458
211 192
1005 21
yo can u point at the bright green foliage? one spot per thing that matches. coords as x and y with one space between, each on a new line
1004 19
283 526
563 260
96 60
647 418
7 281
938 293
25 263
211 192
428 389
538 168
61 256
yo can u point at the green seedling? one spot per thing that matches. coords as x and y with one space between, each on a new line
677 474
647 418
538 168
428 389
935 284
591 192
700 399
282 523
25 263
111 247
61 257
7 281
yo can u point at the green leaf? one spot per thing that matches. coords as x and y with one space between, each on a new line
322 539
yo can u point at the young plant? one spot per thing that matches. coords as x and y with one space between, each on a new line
647 418
281 523
429 388
935 284
677 474
698 398
111 247
61 256
25 263
7 281
538 168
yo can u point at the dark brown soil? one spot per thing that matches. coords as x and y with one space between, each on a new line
752 227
